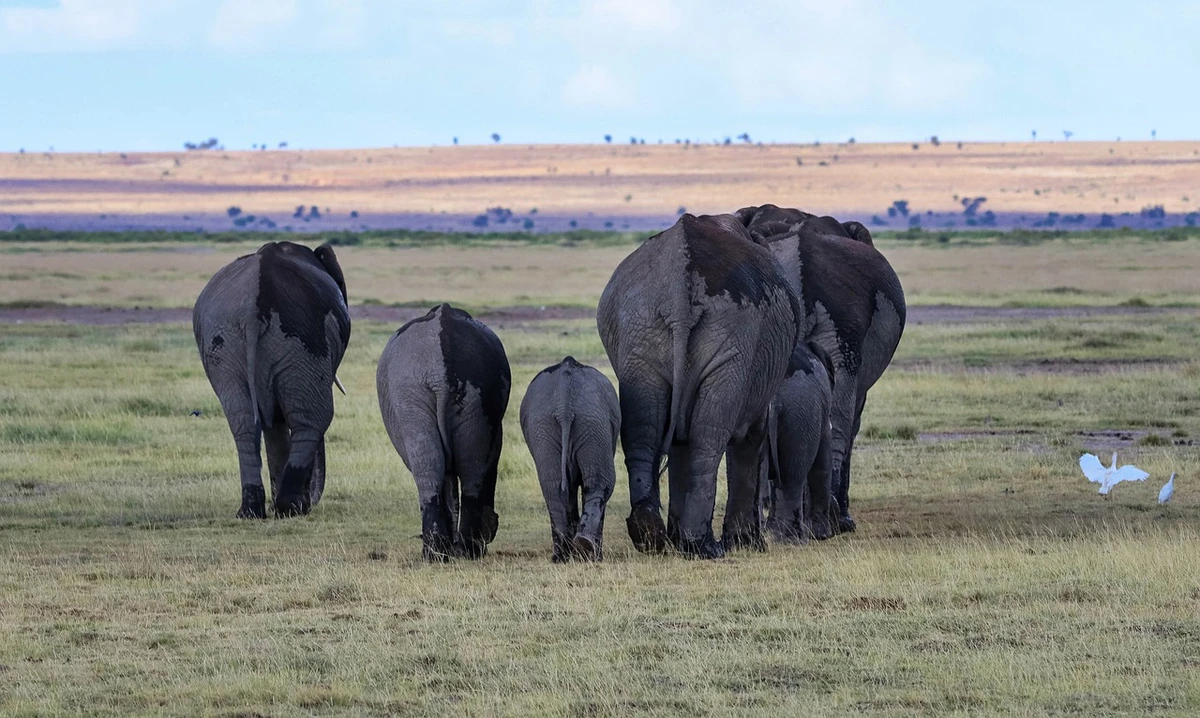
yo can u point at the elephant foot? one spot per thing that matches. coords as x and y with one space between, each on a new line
705 548
846 524
254 503
472 548
745 537
587 548
489 524
287 506
823 529
647 530
791 535
437 548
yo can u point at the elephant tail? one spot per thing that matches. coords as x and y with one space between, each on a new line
261 418
565 422
443 410
773 444
679 344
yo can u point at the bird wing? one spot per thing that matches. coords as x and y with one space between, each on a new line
1092 468
1128 472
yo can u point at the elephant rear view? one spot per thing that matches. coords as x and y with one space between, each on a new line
272 328
443 383
852 304
799 449
571 420
698 323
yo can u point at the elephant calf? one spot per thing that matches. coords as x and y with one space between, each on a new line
799 445
443 383
571 419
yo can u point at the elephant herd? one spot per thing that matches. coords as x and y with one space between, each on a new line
752 337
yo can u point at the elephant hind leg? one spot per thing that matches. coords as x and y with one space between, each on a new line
254 499
598 479
279 445
702 458
294 498
743 512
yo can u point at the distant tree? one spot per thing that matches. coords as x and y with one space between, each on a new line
728 141
527 224
960 145
1067 134
935 141
233 211
354 214
916 146
744 137
283 145
456 140
608 139
799 162
299 213
850 141
1154 134
314 213
633 140
495 137
1035 135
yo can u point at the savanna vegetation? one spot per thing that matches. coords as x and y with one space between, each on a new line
987 576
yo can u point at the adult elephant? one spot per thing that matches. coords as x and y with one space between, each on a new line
272 328
698 323
852 305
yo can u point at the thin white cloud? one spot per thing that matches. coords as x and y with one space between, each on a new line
71 26
641 15
595 87
251 26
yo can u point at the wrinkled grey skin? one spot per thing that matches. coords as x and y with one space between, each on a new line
852 305
698 324
443 382
571 419
272 328
798 450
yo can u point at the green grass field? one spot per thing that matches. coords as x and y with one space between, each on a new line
987 577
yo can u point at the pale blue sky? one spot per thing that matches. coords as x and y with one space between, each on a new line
150 74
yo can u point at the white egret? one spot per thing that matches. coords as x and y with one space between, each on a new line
1109 476
1168 489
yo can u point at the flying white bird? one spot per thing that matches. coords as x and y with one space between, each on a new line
1109 476
1167 490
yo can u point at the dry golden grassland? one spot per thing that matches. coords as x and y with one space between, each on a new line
1060 272
987 577
655 180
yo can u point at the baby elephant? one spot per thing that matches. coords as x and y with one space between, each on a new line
798 445
571 419
443 384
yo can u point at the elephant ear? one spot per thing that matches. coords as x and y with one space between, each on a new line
745 215
820 353
859 232
329 260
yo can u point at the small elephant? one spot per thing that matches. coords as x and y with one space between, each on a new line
272 328
571 419
443 383
798 449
